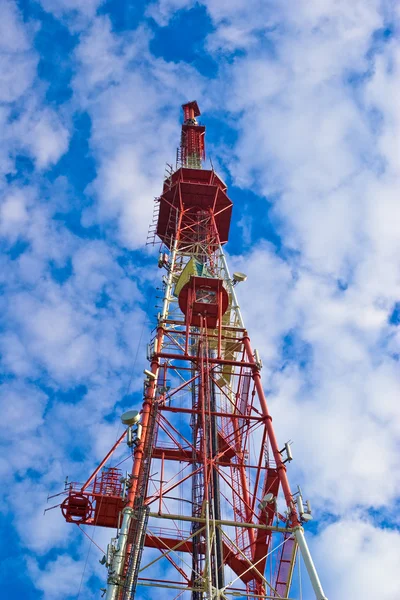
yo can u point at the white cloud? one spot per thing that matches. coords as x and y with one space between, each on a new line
13 215
18 64
64 335
14 355
326 152
21 409
74 13
357 558
340 408
52 330
316 146
30 127
41 133
327 156
134 132
16 75
13 37
59 578
163 10
49 139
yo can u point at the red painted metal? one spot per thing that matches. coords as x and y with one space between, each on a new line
96 503
207 435
203 297
192 136
193 194
103 462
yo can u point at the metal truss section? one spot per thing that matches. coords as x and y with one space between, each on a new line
207 510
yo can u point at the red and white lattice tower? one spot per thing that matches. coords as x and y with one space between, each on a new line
206 510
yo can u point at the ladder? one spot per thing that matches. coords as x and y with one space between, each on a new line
152 231
285 565
242 533
137 533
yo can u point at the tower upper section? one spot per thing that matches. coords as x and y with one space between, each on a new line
193 196
192 148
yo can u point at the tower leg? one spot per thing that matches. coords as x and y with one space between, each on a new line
308 561
116 568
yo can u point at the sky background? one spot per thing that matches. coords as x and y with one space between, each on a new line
301 104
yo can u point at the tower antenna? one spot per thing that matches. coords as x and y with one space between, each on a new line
218 510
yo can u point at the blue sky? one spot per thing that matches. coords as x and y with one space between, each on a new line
300 100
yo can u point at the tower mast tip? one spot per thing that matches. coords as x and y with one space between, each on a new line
191 110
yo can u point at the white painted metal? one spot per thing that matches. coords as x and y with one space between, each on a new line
208 552
229 283
308 561
118 561
169 282
130 417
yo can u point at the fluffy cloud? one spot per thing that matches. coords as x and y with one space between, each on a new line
309 95
59 579
77 15
61 330
25 125
129 94
356 557
22 409
163 10
45 137
346 383
13 215
18 64
316 100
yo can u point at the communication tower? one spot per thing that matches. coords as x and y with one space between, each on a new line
206 510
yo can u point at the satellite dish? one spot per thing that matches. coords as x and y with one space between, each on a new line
130 417
238 277
268 498
306 517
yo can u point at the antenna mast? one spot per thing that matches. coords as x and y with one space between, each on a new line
208 489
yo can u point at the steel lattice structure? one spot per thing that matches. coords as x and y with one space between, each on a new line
208 490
